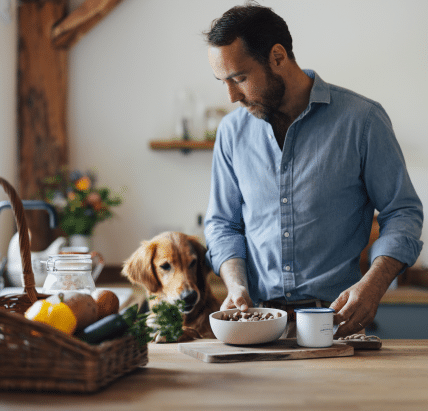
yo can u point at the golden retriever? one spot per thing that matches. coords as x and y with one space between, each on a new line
172 267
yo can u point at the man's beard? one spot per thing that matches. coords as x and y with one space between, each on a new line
271 98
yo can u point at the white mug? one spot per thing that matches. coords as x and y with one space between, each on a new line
314 327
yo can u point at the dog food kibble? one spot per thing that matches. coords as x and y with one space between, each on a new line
243 316
362 337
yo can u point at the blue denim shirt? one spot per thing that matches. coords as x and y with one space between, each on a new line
300 217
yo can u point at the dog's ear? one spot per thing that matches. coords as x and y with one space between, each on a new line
200 251
139 267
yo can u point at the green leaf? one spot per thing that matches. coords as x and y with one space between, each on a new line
140 330
169 319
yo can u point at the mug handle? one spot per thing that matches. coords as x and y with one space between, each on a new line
99 265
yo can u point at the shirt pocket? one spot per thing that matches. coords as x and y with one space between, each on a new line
259 186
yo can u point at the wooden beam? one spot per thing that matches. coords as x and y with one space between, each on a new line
68 31
45 34
42 107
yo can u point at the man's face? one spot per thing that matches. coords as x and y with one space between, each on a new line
254 85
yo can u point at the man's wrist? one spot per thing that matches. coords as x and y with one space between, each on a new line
383 271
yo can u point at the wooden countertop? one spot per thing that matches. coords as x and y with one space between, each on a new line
394 378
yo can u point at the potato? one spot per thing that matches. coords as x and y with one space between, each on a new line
107 302
83 306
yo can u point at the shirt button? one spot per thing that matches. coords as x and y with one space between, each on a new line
270 136
286 234
285 200
288 295
287 268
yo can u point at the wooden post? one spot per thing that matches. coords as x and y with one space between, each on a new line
42 106
45 34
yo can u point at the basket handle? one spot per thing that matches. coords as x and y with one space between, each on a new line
24 240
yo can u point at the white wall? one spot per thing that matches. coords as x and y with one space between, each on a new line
8 53
124 73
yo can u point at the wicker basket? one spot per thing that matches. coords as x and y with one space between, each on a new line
35 356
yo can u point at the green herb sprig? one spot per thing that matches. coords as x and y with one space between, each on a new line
140 330
169 320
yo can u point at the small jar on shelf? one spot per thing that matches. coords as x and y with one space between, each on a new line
213 116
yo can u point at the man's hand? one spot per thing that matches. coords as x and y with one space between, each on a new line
234 274
356 307
237 297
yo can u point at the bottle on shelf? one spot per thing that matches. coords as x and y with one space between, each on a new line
198 231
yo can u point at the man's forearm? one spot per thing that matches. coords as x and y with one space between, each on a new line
234 272
382 272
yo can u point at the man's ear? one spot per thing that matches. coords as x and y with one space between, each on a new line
278 56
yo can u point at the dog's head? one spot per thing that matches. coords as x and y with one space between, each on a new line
171 266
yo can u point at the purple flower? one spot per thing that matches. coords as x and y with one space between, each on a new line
75 175
89 212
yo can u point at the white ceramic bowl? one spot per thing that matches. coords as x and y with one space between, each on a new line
250 332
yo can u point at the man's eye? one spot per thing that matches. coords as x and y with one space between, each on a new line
240 80
166 266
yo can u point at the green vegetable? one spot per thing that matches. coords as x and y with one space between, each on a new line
168 320
140 330
112 326
167 323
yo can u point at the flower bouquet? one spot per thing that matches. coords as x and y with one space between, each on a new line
79 204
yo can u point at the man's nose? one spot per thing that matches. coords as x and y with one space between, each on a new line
234 93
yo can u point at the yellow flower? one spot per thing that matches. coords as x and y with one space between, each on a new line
83 184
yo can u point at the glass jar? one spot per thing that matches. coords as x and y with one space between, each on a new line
213 117
71 272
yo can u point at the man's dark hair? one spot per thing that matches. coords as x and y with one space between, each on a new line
258 27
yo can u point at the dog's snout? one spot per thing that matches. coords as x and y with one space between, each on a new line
189 297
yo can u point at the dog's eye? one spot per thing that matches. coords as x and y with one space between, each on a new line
193 263
166 266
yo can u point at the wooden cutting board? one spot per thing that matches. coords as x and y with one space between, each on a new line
373 343
283 349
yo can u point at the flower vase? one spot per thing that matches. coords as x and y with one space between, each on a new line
80 242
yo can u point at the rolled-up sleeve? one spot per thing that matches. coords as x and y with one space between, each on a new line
224 227
391 191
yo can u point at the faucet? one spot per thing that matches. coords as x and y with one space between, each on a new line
36 205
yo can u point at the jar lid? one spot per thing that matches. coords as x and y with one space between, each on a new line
69 262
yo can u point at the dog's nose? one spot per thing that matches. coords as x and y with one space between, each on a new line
189 297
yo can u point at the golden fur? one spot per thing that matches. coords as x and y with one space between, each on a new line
172 267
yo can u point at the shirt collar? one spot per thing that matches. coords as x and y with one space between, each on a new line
320 92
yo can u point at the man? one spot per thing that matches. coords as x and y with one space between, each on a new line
297 173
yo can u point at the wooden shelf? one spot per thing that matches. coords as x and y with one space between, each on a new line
184 145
